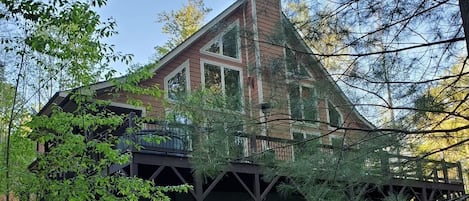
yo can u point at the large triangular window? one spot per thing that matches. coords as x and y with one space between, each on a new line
296 69
226 44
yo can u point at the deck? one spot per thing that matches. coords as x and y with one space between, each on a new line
423 179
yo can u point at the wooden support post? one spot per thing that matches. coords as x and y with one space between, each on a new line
269 187
257 187
156 173
133 169
212 185
248 190
424 194
198 186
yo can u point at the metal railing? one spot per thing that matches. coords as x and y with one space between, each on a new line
173 138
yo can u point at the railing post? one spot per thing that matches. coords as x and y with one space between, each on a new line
253 143
435 175
460 175
385 164
131 135
419 170
131 119
445 171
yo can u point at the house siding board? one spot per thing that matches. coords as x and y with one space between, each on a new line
267 24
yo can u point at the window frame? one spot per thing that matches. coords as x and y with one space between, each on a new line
300 90
341 119
219 38
336 137
185 65
223 66
299 64
305 134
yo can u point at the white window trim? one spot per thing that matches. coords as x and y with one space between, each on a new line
328 118
310 75
304 132
185 65
304 123
218 37
223 66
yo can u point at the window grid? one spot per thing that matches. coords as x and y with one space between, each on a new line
225 81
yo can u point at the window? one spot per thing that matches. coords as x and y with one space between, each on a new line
177 83
303 103
335 119
295 67
226 82
337 142
225 44
311 143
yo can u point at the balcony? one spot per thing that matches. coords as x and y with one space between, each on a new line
178 142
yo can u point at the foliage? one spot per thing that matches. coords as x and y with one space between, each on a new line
317 171
214 130
79 162
444 107
22 150
401 52
61 42
181 24
321 32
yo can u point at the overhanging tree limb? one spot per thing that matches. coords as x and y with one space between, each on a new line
464 8
452 40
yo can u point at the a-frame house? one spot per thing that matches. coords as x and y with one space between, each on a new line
253 55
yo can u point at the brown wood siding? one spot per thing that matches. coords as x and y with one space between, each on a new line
268 20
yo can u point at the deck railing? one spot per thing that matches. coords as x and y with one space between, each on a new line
176 139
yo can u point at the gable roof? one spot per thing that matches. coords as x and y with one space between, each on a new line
57 99
196 36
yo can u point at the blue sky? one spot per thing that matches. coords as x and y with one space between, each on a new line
138 30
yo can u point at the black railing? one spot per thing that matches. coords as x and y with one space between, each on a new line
173 138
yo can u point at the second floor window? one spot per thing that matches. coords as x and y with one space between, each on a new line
225 82
177 83
225 44
335 119
294 64
303 103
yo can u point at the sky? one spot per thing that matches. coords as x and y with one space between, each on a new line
138 30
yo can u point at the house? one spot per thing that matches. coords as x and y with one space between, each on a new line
260 69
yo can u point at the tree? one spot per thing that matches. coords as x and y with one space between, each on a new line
397 59
395 62
444 107
181 24
321 31
64 37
